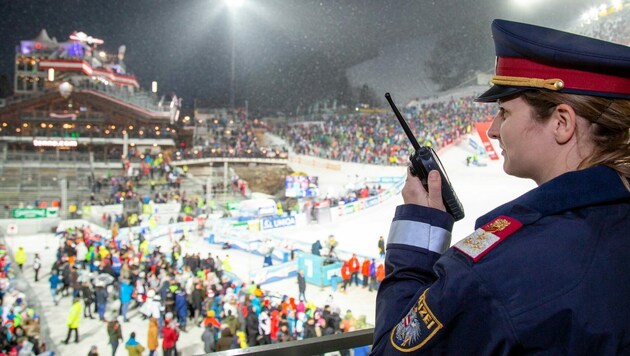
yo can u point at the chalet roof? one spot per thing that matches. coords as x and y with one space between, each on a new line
44 38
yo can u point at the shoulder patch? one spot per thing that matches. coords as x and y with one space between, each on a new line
485 238
416 328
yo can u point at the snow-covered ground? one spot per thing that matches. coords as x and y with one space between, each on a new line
479 189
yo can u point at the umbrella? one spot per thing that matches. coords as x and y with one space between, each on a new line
104 279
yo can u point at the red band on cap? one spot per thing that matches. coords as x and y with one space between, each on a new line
572 78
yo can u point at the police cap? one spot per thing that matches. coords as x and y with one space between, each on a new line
533 57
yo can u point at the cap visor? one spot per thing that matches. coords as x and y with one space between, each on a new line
497 92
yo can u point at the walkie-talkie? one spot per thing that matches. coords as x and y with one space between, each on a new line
423 161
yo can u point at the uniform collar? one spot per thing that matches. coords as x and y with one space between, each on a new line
572 190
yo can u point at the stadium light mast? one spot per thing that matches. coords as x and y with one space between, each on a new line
233 6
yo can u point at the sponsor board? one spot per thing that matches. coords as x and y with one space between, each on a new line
167 209
277 222
275 272
29 213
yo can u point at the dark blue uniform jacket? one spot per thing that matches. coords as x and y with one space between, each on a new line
548 273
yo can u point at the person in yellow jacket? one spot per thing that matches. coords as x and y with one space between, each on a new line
134 348
144 248
225 263
20 257
74 318
103 252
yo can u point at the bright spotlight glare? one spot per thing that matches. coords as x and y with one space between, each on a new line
526 4
234 4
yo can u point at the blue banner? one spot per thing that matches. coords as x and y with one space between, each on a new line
277 222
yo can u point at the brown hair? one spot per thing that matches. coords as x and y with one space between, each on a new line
609 130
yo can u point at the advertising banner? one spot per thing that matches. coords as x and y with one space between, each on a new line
52 212
277 222
274 273
315 271
167 209
29 213
482 130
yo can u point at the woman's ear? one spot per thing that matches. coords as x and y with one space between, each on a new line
564 123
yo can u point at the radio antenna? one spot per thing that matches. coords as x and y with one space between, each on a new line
403 123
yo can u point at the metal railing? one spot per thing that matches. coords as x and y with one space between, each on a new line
313 346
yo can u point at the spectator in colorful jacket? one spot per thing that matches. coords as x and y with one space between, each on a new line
181 309
152 336
73 320
365 272
354 265
346 275
134 348
372 275
126 293
264 326
170 336
54 285
20 257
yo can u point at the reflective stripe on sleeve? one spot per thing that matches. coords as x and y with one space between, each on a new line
419 234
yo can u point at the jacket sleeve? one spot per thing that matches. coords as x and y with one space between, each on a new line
431 301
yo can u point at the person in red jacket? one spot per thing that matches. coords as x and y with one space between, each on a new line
354 265
345 274
275 324
380 274
170 336
365 272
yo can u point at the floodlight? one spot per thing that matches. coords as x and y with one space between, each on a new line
234 4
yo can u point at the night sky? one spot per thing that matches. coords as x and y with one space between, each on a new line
185 45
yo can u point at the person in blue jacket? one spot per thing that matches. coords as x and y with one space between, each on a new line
126 293
54 286
181 308
549 272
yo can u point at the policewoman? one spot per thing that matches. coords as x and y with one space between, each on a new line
549 272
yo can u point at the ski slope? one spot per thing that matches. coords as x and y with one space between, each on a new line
480 189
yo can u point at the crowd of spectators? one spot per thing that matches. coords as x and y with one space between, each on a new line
20 329
232 137
379 138
178 292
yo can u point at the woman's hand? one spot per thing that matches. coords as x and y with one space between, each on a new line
414 193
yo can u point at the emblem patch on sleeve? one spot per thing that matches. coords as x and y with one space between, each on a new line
485 238
416 328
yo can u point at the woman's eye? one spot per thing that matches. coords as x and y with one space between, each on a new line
502 113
